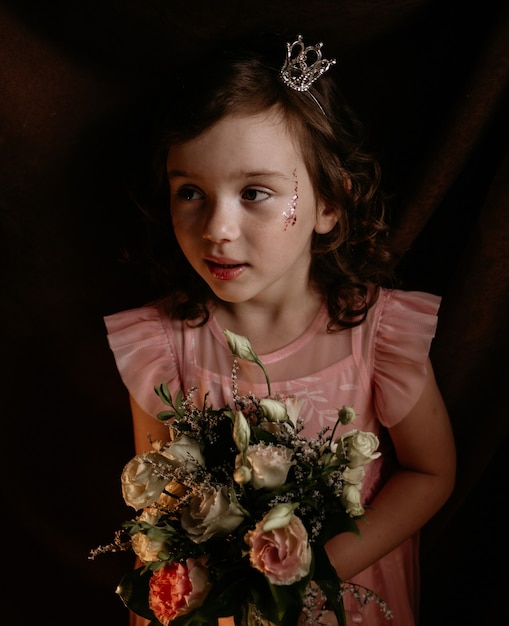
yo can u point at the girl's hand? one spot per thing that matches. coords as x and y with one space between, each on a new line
136 620
353 618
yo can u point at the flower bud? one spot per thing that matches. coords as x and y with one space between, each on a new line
273 410
240 347
242 475
355 475
351 500
279 516
241 432
293 407
346 414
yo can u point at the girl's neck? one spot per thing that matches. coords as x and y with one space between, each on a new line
269 328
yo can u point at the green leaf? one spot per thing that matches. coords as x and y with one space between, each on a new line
164 393
133 590
260 434
165 415
286 605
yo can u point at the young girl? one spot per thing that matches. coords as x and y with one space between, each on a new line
277 233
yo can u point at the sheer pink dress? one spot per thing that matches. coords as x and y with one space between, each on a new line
378 368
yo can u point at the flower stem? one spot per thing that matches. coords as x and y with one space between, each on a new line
267 379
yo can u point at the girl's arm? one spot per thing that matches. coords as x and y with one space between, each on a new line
146 428
425 449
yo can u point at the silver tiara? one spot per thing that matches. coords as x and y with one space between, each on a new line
303 65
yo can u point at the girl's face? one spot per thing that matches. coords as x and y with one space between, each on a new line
244 210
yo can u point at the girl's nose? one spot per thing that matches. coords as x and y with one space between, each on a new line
222 223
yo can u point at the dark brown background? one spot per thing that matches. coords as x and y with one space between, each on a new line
430 79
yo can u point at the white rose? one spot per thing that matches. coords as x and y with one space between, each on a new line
144 478
147 549
360 447
269 465
209 514
351 500
184 451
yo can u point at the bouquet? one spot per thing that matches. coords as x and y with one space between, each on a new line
234 511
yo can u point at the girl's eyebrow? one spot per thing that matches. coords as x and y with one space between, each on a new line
176 173
265 174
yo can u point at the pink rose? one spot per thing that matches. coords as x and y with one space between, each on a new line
177 589
282 554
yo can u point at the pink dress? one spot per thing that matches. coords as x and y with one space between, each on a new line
378 368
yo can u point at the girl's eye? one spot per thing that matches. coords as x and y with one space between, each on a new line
254 195
188 193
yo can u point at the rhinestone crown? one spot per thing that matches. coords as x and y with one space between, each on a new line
303 65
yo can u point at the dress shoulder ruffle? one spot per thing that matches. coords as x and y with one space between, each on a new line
404 329
143 352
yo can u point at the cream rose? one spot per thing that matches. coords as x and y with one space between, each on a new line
147 549
171 495
282 554
360 447
209 514
269 465
144 478
184 451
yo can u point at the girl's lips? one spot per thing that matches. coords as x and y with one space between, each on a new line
225 271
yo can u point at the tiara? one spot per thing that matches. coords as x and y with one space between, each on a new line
296 73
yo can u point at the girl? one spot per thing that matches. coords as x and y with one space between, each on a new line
277 233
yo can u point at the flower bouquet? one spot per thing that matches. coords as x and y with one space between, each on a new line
233 513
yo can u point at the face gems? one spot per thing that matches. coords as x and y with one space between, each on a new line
290 216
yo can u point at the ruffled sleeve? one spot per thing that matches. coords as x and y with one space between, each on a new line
143 353
407 323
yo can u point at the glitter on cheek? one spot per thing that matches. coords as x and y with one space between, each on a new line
291 215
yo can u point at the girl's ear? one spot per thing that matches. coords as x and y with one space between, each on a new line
326 218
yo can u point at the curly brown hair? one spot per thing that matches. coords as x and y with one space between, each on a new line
350 262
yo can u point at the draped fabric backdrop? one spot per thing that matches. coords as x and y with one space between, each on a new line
430 79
